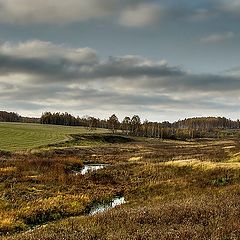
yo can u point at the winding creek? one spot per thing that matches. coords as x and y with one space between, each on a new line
97 207
103 206
92 167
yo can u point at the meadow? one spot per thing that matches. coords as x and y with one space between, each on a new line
173 189
20 136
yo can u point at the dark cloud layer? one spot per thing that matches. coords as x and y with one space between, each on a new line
58 77
65 69
135 71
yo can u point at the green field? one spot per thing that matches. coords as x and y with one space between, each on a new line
21 136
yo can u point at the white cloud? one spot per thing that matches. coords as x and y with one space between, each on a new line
140 16
130 13
217 37
47 50
54 11
231 6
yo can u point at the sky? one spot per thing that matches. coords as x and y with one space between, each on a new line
161 59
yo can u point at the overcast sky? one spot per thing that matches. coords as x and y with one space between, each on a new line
160 59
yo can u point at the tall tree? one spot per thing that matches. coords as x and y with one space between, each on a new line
113 123
136 123
126 123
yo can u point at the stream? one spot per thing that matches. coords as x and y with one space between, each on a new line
102 207
90 168
96 207
105 206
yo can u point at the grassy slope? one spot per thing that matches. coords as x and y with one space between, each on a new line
20 136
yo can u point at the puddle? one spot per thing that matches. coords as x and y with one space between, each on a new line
90 168
102 207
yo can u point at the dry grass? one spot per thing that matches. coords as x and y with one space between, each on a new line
204 164
174 190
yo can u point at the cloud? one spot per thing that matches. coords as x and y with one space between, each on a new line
36 49
45 59
44 62
132 13
230 6
218 37
140 16
49 63
235 72
135 13
54 11
27 12
45 76
58 63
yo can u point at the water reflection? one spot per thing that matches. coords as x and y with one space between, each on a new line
92 167
89 168
102 207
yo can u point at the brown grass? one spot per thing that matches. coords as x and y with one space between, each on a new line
174 190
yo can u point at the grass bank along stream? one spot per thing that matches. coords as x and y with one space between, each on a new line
174 190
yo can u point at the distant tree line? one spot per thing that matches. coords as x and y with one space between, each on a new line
69 120
9 117
182 129
14 117
207 123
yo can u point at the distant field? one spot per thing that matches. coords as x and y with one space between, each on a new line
23 136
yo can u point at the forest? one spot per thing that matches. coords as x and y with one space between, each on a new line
198 127
15 117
